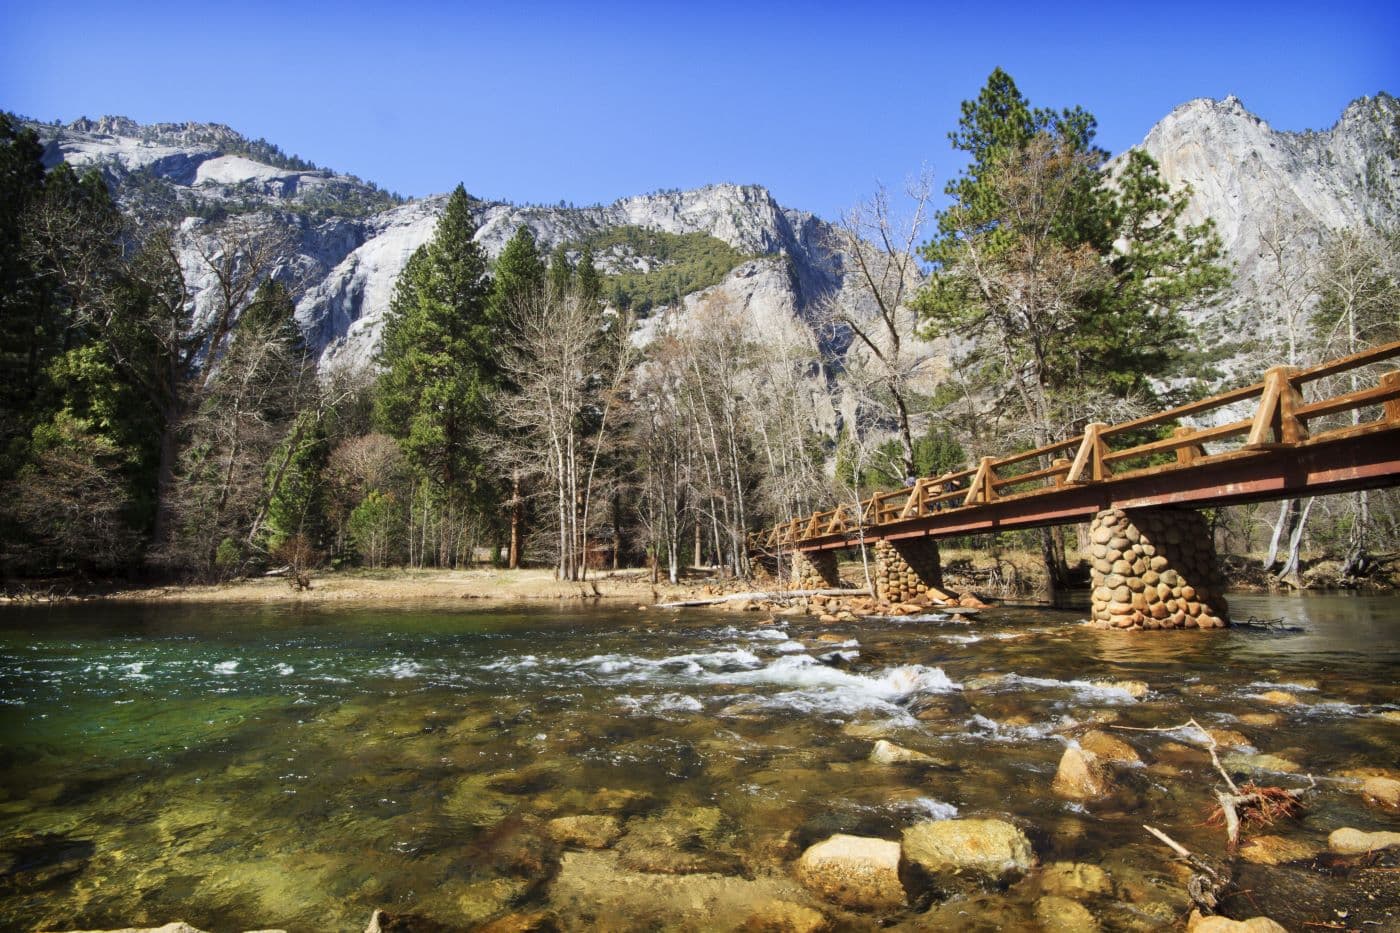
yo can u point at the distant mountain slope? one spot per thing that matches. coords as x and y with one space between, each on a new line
352 239
1274 195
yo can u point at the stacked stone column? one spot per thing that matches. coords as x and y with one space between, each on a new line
814 570
1155 569
907 569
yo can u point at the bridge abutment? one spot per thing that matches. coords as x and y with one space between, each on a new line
908 569
1155 569
814 570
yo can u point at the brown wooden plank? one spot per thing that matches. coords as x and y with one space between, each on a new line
1184 411
1376 354
1191 439
1361 398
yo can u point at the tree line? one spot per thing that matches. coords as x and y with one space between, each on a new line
514 414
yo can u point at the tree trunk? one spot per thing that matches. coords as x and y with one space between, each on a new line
1289 571
1056 573
165 476
517 520
1283 525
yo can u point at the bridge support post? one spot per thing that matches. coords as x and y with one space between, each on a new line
814 570
1155 569
908 569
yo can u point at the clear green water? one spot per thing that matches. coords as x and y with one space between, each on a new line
242 767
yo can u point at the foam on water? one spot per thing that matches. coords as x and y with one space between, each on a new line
982 727
1106 693
399 669
652 704
226 667
513 664
817 687
932 809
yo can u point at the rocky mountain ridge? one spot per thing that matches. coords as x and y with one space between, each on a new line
1273 196
1276 197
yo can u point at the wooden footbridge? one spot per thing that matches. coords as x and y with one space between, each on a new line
1291 446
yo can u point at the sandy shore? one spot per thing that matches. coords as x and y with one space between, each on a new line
399 585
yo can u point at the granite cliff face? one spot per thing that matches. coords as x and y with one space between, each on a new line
350 240
1276 196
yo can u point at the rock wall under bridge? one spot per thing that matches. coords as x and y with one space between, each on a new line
1155 569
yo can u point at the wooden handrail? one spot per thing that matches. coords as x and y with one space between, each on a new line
1279 419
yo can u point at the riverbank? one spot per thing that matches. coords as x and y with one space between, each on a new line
994 575
491 585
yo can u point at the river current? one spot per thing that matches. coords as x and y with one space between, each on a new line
252 767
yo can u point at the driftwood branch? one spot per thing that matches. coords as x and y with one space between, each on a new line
1207 883
771 596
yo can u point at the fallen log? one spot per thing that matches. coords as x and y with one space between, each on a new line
775 596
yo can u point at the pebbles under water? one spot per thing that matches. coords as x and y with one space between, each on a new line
252 767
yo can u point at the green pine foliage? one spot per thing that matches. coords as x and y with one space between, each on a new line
439 359
1110 259
682 263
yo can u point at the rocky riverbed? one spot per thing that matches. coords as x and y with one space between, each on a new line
244 768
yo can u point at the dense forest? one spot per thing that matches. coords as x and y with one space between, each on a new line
513 416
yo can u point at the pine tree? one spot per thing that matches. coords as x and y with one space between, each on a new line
440 359
519 274
590 286
1067 286
561 274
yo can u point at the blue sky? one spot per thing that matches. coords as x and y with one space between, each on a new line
590 102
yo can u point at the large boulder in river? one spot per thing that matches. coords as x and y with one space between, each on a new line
1200 924
1348 841
1081 775
944 853
1382 792
855 871
886 752
1109 748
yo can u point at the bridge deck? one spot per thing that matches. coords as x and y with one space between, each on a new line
1290 447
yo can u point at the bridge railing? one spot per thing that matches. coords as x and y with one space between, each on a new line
1282 416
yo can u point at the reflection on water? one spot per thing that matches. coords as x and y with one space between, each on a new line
248 767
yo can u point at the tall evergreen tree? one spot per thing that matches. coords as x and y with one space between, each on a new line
561 274
519 275
440 359
1066 285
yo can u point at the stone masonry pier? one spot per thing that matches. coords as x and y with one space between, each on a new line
1155 569
814 571
908 569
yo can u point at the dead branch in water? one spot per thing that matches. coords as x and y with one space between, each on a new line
1207 881
1251 804
775 596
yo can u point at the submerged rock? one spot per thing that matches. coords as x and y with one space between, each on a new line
855 871
589 832
679 840
1075 879
595 890
945 851
1081 776
1276 850
1199 924
1279 698
176 927
1258 763
1062 915
1348 841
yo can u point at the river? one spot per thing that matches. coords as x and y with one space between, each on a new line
254 767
